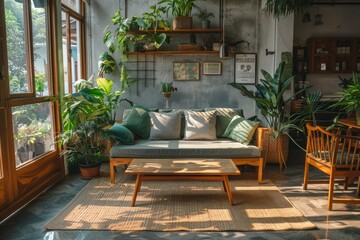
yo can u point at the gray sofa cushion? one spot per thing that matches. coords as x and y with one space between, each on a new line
220 148
165 126
200 125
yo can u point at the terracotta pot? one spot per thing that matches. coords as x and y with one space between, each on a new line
182 22
167 94
90 172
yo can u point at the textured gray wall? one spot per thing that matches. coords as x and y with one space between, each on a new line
211 91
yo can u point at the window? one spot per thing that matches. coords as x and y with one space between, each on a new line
73 44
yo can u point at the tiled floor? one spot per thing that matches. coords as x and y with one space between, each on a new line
343 223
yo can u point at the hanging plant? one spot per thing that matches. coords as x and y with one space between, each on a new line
284 8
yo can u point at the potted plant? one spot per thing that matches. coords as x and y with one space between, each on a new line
181 10
204 15
83 118
30 139
270 99
285 7
350 98
154 19
167 88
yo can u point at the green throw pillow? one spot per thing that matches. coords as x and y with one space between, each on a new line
121 134
241 129
138 121
223 118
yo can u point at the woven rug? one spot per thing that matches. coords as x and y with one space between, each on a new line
179 206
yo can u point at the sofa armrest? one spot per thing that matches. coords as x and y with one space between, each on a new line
259 137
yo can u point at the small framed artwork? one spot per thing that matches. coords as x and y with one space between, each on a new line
211 68
186 71
245 68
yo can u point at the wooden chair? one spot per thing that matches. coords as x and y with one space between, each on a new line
336 155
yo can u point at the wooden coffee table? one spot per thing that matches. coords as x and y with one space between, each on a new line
182 170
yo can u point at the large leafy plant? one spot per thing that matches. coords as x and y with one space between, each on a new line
85 114
271 101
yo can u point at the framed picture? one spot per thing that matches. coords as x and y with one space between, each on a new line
186 71
245 68
211 68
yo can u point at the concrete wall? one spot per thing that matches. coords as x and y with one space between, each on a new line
242 21
339 21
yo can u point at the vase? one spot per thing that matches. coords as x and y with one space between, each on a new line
358 116
205 24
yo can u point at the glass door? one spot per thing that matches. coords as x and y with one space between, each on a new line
29 157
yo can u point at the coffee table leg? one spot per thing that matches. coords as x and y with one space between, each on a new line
228 190
136 189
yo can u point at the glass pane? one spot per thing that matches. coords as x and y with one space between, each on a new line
67 80
73 4
71 53
14 20
75 49
39 21
33 131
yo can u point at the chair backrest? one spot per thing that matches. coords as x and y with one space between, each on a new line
333 148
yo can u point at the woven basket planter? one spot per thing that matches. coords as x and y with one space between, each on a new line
274 150
182 22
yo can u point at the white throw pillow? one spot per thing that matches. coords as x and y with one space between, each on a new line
165 126
200 125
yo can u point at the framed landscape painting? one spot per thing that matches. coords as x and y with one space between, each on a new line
186 71
211 68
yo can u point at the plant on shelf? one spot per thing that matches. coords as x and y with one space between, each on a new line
181 10
204 16
154 19
350 98
271 101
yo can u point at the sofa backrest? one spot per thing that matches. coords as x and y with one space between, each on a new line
223 117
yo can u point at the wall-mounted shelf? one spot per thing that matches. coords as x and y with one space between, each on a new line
173 52
179 31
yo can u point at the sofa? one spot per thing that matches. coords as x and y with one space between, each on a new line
221 133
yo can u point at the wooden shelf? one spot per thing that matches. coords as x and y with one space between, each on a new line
174 52
179 31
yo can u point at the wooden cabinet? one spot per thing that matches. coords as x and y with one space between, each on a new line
333 55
